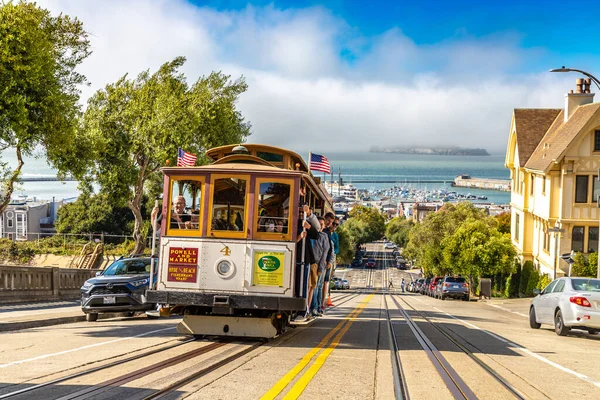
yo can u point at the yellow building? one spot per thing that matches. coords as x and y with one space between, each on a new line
554 156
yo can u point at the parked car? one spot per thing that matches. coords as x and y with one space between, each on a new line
390 245
370 263
357 263
121 287
418 284
567 303
345 284
425 286
452 287
410 286
433 284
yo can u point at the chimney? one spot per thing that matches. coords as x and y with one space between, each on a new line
581 97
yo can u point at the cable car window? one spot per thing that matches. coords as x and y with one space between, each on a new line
229 204
185 204
273 207
271 157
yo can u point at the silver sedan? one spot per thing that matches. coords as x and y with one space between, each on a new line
567 303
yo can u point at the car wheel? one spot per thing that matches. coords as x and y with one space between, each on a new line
152 316
442 297
130 314
559 324
593 331
533 324
91 317
466 298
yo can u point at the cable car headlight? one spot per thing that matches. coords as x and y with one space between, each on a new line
225 268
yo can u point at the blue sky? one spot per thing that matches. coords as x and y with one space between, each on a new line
347 75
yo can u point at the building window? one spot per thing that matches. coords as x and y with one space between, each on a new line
593 240
547 241
581 189
532 184
577 239
544 185
9 223
597 141
517 227
596 188
229 204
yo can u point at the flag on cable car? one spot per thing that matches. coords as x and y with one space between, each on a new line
185 159
319 163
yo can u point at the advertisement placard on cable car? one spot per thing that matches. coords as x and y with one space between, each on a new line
268 268
183 264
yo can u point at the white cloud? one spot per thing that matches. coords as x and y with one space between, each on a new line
303 94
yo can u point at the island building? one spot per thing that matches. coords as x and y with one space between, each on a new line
553 156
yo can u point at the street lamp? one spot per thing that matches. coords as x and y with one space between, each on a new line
592 77
556 230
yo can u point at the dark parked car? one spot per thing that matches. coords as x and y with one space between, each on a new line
357 263
452 287
121 287
370 263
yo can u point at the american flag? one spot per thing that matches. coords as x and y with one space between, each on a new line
185 159
319 163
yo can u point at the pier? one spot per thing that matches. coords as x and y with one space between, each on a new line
466 181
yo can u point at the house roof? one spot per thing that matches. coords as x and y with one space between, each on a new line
531 124
559 136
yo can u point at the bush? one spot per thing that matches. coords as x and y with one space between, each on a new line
512 283
19 253
532 283
544 281
525 273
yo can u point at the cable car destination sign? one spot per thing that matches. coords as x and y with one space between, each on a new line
183 264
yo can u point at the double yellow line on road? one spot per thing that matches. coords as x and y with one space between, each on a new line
305 379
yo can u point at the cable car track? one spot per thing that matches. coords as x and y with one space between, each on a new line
455 384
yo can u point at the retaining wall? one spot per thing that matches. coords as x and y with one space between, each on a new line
22 284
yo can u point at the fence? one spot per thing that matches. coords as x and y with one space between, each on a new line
73 241
19 284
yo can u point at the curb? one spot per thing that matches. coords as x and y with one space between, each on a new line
17 326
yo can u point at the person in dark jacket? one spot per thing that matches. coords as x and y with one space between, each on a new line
307 231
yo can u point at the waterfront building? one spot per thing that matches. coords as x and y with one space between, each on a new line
553 156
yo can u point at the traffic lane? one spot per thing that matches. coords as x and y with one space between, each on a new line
33 353
277 364
534 361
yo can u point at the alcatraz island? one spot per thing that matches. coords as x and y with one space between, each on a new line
434 151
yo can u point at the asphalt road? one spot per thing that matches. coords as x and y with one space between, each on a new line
345 354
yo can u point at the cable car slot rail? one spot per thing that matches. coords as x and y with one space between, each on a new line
480 362
94 369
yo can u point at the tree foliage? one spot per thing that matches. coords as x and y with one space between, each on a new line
585 267
503 222
39 88
94 213
346 253
135 126
372 223
398 230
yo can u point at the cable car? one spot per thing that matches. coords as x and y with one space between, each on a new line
227 249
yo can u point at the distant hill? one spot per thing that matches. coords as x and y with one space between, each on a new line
434 151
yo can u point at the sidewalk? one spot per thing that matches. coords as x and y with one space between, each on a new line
32 315
516 306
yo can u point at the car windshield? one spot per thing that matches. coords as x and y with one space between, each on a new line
455 280
586 284
129 267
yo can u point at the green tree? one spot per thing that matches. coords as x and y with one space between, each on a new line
39 88
398 230
526 272
346 253
478 249
357 232
425 238
94 214
135 127
374 222
503 222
